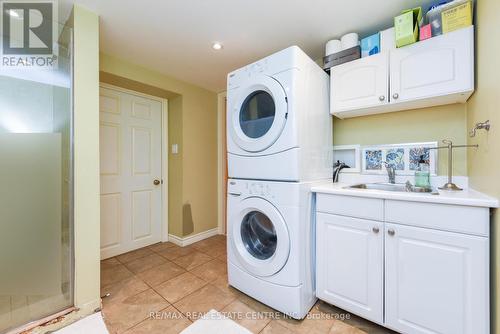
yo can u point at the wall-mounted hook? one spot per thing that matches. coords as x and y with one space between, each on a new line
480 126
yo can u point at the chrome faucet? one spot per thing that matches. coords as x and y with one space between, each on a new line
391 172
337 167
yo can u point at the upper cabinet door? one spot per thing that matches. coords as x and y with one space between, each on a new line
360 84
440 66
436 282
349 267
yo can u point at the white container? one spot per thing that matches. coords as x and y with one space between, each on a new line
387 40
333 46
349 40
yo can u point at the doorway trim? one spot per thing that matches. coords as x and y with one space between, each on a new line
164 151
221 161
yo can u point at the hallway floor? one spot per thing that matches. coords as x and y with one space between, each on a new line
163 288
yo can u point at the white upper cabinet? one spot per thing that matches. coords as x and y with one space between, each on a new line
360 84
440 66
433 72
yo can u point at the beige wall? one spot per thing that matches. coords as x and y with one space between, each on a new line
484 163
421 125
86 163
193 126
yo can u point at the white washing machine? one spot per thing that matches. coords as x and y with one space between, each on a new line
270 243
278 122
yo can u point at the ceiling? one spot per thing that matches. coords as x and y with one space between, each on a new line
174 37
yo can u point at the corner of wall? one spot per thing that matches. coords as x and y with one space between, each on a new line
86 157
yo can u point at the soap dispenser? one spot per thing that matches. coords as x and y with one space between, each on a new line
422 174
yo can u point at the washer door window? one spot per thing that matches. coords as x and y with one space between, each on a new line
259 114
260 237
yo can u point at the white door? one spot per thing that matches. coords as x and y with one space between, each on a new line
349 267
258 115
436 282
259 237
439 66
131 171
360 84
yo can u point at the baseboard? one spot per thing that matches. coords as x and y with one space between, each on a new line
191 239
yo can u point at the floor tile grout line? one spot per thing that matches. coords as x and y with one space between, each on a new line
196 265
182 313
146 319
140 257
189 294
153 288
208 310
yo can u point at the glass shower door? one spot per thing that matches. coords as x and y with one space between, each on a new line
36 236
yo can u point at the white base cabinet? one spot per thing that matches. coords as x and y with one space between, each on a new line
410 275
435 281
350 264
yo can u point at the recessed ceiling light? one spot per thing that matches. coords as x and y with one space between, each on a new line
216 46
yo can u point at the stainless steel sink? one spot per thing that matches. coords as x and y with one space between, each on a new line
400 187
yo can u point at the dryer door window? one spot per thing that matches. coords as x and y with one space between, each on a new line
259 237
258 115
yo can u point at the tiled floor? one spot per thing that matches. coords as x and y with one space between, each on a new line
164 287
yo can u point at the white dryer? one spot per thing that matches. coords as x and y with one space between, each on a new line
278 122
270 242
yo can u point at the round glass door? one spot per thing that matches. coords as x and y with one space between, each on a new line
258 114
259 237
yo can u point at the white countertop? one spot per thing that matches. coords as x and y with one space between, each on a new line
467 197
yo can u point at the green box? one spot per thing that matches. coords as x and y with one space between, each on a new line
407 26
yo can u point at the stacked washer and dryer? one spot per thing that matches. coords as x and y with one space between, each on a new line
279 141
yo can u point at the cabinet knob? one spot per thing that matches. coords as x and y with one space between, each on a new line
395 96
375 229
391 232
381 98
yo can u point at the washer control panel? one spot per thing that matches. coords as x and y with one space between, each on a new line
258 189
250 188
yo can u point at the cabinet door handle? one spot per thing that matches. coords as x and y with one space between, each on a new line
375 229
395 96
391 232
381 98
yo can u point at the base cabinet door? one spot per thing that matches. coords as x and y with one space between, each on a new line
435 281
349 267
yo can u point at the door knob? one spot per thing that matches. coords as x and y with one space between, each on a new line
156 182
391 232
